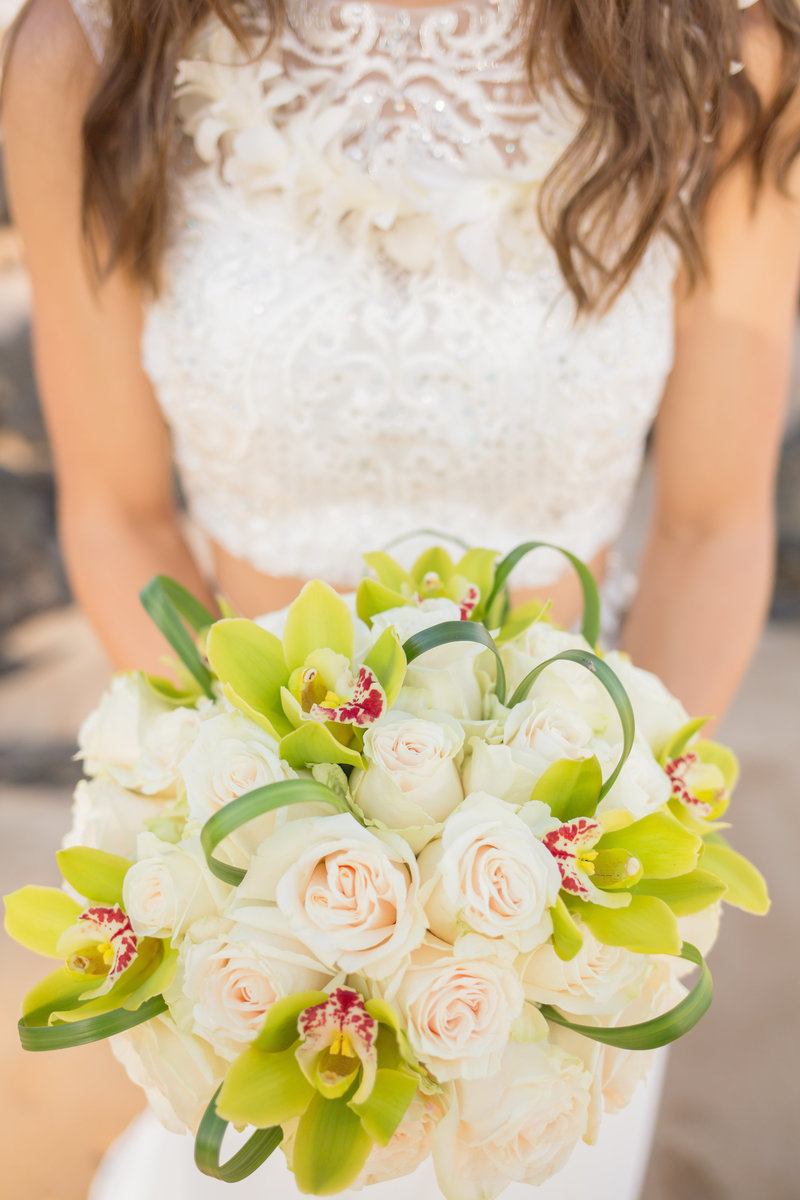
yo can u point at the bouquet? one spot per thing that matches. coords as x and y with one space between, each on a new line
412 874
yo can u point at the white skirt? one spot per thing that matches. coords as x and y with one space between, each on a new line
149 1163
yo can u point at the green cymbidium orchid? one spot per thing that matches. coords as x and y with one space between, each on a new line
433 576
626 879
702 774
335 1062
104 964
305 689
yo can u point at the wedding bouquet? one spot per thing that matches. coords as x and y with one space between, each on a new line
418 875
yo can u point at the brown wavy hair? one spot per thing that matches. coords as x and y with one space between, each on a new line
652 79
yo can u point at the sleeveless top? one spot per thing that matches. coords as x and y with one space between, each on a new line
363 330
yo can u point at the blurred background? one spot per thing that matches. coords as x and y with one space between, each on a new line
729 1117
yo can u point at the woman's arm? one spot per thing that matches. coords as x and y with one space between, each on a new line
708 565
117 519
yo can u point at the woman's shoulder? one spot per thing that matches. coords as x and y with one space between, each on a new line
49 72
49 54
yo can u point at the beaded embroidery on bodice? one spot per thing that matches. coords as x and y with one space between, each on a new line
363 329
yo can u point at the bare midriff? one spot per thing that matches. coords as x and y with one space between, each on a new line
252 593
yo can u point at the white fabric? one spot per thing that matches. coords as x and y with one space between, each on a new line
363 329
147 1161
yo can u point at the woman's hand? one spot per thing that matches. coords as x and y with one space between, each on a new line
117 519
708 567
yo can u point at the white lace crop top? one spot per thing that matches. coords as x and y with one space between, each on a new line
363 330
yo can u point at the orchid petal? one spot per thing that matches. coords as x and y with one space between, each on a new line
36 917
318 619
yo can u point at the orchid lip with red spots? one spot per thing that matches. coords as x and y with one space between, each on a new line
364 707
102 942
565 844
469 602
339 1039
677 769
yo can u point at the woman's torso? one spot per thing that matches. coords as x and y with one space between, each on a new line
363 329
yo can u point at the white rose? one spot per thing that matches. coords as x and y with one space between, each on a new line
641 787
458 1011
170 887
109 736
540 734
178 1072
412 778
617 1073
226 982
231 756
137 738
700 929
490 874
409 1145
621 1071
539 642
599 979
348 893
520 1125
107 817
657 712
408 619
499 771
446 678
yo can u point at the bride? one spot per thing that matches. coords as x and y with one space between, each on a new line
391 268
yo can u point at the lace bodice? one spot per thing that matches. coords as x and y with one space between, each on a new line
363 329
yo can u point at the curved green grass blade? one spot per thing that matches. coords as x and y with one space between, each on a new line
208 1147
610 682
456 631
168 605
36 1034
590 625
432 533
254 804
659 1031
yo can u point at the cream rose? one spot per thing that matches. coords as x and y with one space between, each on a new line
170 887
412 779
136 738
641 787
178 1072
520 1125
446 678
231 756
700 929
540 734
621 1071
540 641
599 979
458 1011
409 1146
489 874
498 770
408 619
106 816
617 1073
227 981
349 894
658 714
